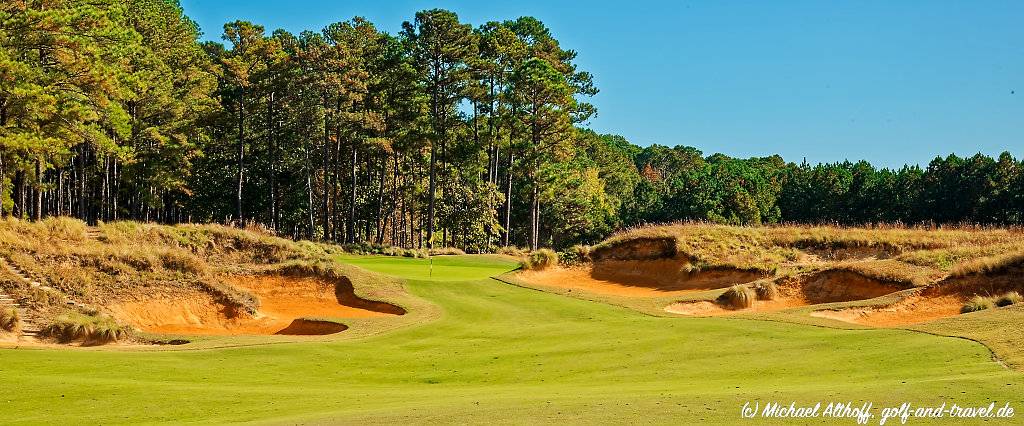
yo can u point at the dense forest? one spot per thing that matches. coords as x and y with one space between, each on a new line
444 134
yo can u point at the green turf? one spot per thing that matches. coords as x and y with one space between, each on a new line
505 354
436 268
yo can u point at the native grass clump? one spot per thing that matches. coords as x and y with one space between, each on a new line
981 303
10 320
87 329
977 303
766 290
738 297
1008 299
542 259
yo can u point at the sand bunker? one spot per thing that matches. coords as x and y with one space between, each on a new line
307 327
286 306
668 275
823 287
638 278
938 301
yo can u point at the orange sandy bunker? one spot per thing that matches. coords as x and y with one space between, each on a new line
823 287
285 305
638 278
940 300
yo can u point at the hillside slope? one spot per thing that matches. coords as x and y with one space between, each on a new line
93 285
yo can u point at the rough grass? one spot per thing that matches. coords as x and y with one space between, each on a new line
978 303
513 251
368 249
990 264
541 259
1008 299
738 297
447 251
89 329
10 321
766 290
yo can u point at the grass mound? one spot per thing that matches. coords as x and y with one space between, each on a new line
978 303
766 290
737 297
540 260
981 303
9 320
1011 298
89 329
128 264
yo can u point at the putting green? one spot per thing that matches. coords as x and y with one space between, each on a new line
504 354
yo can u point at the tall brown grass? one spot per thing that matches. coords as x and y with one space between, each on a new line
989 264
737 297
978 303
10 321
541 259
1011 298
766 290
89 329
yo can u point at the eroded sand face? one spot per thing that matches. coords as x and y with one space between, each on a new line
638 278
283 300
914 309
824 287
941 300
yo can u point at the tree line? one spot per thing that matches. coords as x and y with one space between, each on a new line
444 134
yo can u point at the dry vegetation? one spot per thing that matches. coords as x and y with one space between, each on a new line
934 271
737 297
88 329
541 259
914 256
981 303
97 266
766 290
9 320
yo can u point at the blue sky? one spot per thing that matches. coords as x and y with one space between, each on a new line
891 82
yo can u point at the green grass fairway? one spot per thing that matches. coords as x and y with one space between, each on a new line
505 354
437 268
